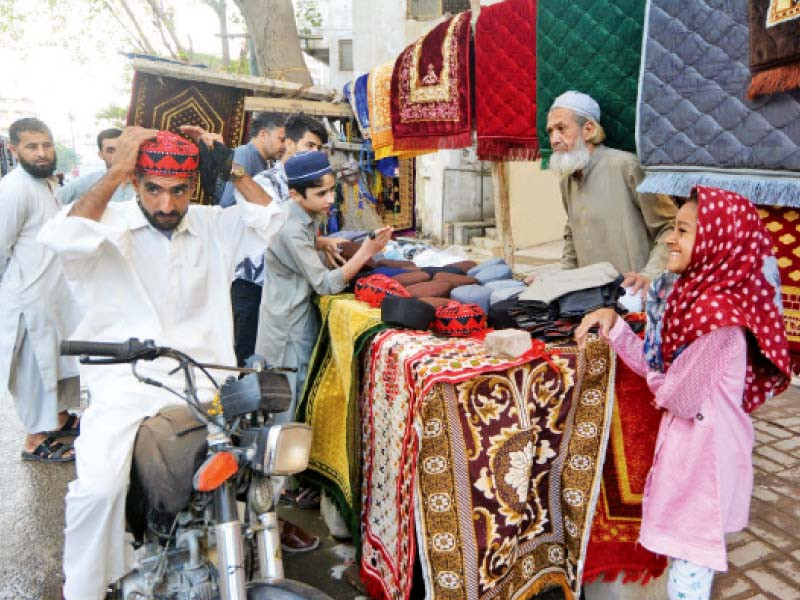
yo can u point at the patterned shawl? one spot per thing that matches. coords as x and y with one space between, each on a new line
732 280
505 81
430 89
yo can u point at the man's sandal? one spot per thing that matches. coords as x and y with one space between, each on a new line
71 427
50 450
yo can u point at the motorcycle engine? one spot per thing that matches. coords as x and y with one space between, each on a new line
186 575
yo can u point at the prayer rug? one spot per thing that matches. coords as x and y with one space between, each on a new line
430 89
784 226
595 47
329 403
505 81
774 46
167 103
490 534
379 88
695 125
613 546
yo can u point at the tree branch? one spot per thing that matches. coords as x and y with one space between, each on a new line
143 39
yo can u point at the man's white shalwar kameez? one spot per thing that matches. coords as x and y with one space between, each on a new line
38 310
138 283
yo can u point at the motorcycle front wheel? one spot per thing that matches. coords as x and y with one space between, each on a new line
284 589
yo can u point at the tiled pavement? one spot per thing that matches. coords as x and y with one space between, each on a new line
764 560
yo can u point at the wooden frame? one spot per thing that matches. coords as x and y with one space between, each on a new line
296 105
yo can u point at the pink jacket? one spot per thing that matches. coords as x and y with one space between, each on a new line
700 484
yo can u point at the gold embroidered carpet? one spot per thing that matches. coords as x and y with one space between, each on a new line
783 224
329 401
167 103
506 461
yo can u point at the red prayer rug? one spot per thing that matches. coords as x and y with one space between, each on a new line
613 546
505 81
508 466
430 90
783 223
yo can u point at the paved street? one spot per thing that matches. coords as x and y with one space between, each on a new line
764 559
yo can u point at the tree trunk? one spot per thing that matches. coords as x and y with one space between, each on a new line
273 32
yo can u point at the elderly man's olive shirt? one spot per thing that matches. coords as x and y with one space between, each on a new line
608 220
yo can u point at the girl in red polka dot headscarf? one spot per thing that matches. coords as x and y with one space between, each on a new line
731 280
715 350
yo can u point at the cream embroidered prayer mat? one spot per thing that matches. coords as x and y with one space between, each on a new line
497 469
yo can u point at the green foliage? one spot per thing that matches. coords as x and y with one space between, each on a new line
112 116
309 19
66 158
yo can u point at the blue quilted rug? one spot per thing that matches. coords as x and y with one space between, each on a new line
694 123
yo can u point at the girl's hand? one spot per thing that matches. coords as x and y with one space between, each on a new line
602 318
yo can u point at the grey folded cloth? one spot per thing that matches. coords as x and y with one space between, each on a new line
551 285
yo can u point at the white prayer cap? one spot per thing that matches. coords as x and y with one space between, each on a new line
581 103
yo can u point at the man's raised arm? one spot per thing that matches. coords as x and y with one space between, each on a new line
243 183
93 203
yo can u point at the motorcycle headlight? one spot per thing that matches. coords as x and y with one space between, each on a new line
283 449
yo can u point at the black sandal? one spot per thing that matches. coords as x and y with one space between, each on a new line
71 427
50 450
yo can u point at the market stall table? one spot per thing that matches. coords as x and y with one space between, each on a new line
495 466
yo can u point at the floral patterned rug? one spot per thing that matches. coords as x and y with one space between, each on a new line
494 467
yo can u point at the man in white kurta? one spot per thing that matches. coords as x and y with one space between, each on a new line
152 271
38 310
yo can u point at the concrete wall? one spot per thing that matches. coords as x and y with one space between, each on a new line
537 214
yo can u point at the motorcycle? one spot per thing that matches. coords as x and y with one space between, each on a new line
187 481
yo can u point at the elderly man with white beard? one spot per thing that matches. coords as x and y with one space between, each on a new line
607 219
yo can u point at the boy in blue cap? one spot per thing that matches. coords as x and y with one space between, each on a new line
293 271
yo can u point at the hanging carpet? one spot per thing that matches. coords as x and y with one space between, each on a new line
166 103
784 227
430 89
695 125
592 46
774 46
505 81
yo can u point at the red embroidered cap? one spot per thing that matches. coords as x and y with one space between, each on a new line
459 320
374 288
169 154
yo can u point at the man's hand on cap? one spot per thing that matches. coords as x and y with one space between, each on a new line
198 134
128 148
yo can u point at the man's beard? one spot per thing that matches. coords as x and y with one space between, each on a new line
566 163
161 220
38 171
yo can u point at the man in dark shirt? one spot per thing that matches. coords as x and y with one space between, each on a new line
267 143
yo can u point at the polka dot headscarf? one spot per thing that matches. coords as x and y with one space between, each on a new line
732 280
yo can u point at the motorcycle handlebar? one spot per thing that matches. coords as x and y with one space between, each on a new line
119 350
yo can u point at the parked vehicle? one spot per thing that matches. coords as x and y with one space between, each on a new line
191 542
